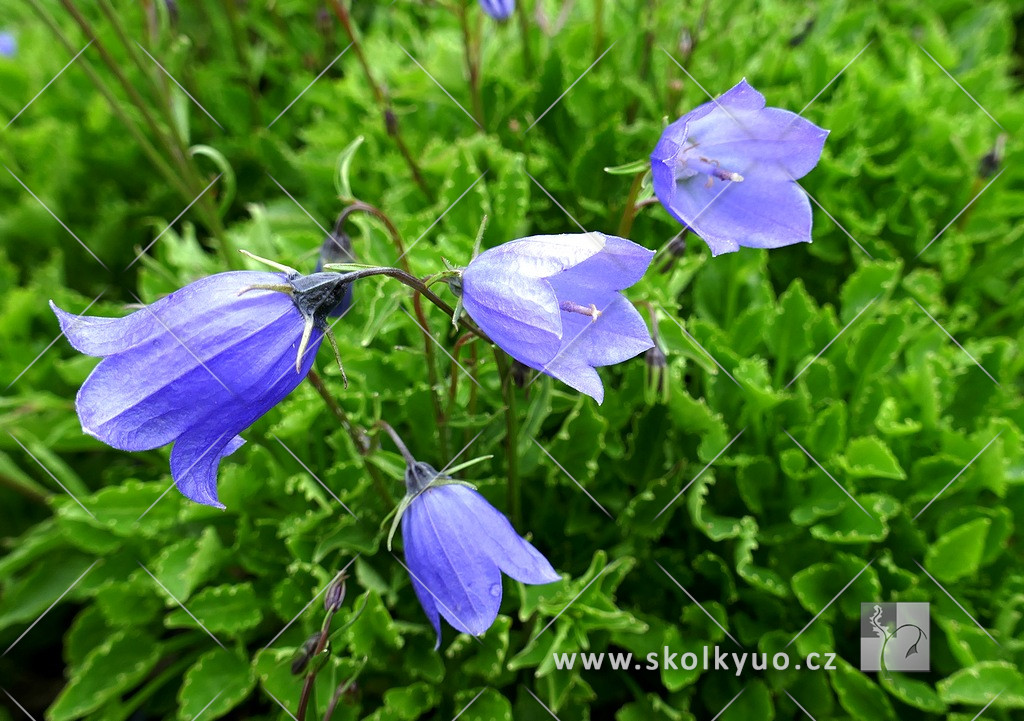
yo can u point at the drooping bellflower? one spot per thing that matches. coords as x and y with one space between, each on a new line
727 170
552 302
498 9
200 365
457 545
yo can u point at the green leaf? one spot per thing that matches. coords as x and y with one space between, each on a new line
217 682
110 669
227 608
861 697
185 565
958 553
867 283
869 457
490 705
913 692
980 684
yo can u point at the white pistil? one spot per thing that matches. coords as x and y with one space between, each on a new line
589 310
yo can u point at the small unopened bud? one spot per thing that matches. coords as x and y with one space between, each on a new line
675 250
990 162
323 20
686 43
802 33
391 122
303 654
335 594
520 374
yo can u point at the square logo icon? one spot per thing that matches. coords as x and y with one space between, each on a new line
895 637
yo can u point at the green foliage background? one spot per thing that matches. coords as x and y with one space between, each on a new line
762 538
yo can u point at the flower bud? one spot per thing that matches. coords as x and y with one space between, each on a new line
335 594
303 654
990 162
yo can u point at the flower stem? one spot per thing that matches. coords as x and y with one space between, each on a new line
321 644
24 489
472 56
432 377
508 393
390 121
358 435
598 28
629 212
524 37
402 448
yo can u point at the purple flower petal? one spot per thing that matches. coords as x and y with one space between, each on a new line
498 9
197 368
727 171
444 558
618 334
456 547
529 295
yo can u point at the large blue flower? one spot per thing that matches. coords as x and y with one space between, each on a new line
727 170
552 302
457 545
199 366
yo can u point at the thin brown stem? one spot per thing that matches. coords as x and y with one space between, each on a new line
629 212
472 58
390 120
358 435
432 378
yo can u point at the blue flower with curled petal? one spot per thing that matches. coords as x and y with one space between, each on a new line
552 302
200 365
457 545
727 170
498 9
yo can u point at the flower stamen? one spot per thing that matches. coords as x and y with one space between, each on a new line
590 310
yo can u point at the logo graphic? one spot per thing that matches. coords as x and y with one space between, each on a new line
895 637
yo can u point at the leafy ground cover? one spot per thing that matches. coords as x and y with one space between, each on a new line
834 424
